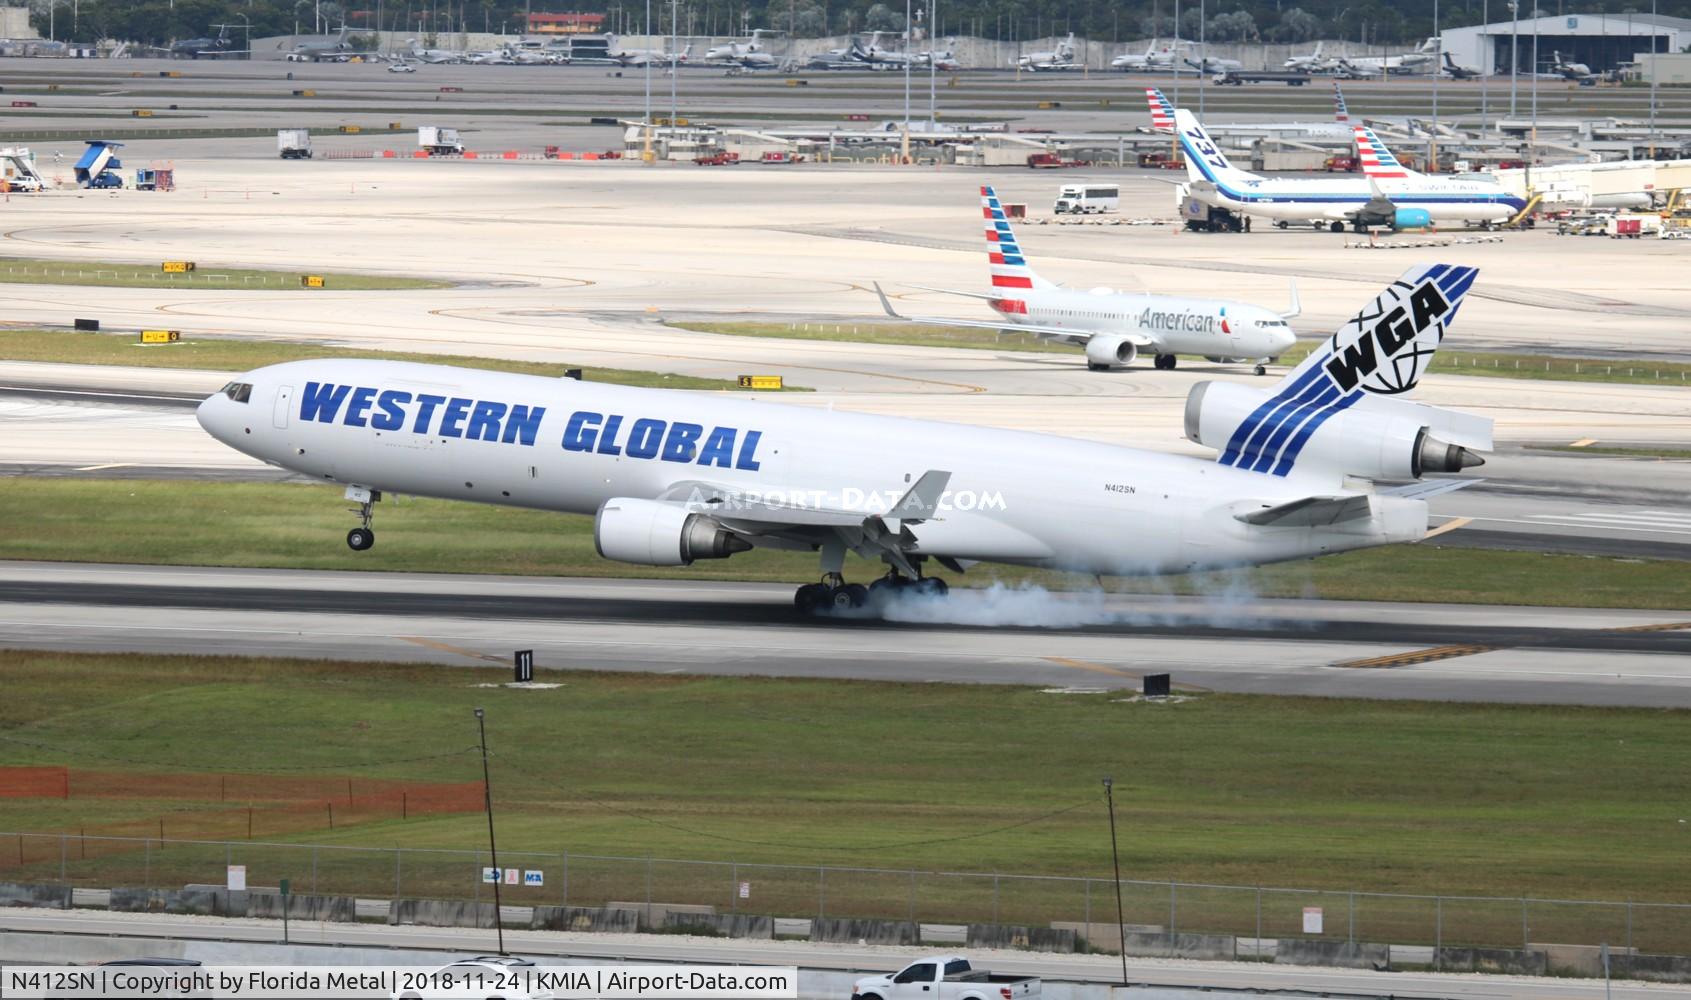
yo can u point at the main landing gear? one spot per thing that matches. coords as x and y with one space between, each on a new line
834 594
361 538
1164 362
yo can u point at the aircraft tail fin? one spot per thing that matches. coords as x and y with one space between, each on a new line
1378 163
1369 362
1204 159
1340 112
1162 112
1006 263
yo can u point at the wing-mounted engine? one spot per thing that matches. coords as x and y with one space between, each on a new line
1109 350
1342 410
659 533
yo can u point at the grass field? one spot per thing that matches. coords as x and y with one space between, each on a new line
904 334
24 270
302 526
1329 794
1533 366
213 354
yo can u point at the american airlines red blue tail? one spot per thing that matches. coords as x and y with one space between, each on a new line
672 477
1113 327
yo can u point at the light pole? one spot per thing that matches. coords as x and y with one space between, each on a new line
1654 73
1115 858
1203 74
492 847
649 68
1488 64
674 54
1514 51
907 57
1535 83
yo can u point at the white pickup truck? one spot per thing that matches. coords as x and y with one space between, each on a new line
945 977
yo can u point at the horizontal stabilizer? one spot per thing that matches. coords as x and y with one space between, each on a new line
1310 512
1429 488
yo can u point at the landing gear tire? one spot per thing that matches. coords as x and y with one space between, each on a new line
932 586
1261 369
1165 362
1336 227
1282 224
359 539
849 596
810 597
1096 368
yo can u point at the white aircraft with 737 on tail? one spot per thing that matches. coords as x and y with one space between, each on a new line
671 477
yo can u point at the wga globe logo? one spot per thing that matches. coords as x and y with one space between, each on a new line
1388 345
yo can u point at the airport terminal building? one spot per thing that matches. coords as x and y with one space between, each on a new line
1601 41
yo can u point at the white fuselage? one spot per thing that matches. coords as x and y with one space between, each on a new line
1323 198
1206 327
564 445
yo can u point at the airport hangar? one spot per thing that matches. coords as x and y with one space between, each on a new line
1601 41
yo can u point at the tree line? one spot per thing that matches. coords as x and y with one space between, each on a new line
1371 22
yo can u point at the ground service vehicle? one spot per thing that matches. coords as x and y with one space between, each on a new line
1041 161
945 977
1633 227
293 143
1236 78
1203 218
439 141
1085 199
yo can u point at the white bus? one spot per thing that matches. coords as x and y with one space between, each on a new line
1084 199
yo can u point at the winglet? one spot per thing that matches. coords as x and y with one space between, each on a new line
921 501
1296 308
885 302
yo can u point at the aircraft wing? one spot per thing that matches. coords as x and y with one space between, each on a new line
1067 335
784 519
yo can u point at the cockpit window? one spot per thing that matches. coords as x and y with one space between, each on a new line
240 392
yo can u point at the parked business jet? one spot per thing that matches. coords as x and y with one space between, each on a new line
1114 327
671 477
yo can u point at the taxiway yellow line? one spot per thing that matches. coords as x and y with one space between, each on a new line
1451 525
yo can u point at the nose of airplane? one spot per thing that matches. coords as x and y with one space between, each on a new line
1284 340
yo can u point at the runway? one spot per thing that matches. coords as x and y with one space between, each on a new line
1057 641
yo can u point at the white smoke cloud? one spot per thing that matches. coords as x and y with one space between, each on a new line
1225 600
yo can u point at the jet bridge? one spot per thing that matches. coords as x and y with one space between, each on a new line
99 165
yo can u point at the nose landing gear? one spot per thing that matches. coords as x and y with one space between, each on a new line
361 538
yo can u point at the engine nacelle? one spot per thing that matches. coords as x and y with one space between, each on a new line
1411 218
1108 351
653 533
1378 438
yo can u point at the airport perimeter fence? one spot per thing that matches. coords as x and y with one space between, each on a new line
566 878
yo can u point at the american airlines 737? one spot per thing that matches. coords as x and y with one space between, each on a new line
1113 327
672 477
